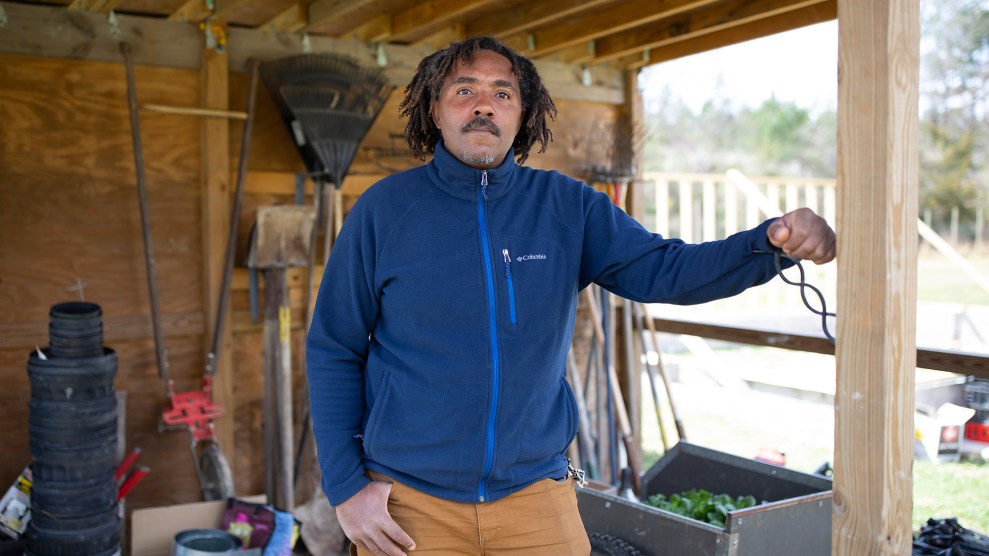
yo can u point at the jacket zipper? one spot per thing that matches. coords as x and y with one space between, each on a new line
511 287
493 332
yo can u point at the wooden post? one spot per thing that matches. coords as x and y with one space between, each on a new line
632 371
877 243
216 223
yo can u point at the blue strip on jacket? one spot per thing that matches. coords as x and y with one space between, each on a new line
493 329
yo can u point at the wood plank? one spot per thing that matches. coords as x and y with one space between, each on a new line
444 36
959 362
173 44
531 15
781 23
197 10
78 35
283 183
99 6
294 19
25 335
335 17
425 18
877 282
607 86
216 205
600 22
377 29
691 25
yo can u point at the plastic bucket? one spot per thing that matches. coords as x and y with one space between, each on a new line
205 542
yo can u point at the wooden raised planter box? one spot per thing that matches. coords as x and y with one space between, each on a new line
795 518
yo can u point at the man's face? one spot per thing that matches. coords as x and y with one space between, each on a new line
479 110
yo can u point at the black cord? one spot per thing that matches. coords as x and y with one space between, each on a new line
803 294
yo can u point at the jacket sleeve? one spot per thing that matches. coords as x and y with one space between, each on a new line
336 353
623 257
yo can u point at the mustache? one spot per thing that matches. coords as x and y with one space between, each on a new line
481 121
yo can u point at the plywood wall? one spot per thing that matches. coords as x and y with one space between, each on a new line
69 212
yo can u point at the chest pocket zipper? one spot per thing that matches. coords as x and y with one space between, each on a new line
511 286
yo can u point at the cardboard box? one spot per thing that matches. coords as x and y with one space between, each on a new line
153 530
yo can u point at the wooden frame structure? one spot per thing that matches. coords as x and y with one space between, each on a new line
583 48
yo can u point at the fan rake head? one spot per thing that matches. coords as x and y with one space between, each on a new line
328 102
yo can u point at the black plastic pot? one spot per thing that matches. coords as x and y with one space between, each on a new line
45 521
103 540
74 499
64 466
77 378
75 329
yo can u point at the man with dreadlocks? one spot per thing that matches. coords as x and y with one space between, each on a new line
437 353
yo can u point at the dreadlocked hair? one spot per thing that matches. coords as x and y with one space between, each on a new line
422 134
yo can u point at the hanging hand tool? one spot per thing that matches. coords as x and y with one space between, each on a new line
195 409
619 406
281 240
662 373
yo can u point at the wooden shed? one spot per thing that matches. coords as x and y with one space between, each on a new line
70 224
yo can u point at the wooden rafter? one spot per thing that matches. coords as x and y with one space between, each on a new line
340 17
601 22
378 29
419 21
531 15
292 20
694 24
198 10
803 17
101 6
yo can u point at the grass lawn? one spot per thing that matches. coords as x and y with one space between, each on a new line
952 490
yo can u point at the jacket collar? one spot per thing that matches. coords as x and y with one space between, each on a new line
461 181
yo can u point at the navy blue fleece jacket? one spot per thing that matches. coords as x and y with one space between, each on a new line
437 352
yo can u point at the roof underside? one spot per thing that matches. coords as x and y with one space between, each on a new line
621 33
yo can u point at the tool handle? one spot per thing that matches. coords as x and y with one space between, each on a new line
125 465
131 481
161 354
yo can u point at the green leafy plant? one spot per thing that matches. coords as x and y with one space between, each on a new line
701 505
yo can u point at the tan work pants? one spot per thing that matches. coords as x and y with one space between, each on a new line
539 520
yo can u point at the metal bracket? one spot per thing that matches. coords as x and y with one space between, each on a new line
215 33
114 26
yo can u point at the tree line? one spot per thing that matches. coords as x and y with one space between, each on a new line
783 138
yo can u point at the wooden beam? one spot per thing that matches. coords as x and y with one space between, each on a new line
99 6
426 18
198 10
377 29
87 36
935 359
562 80
443 37
323 11
292 20
159 42
789 21
283 183
606 20
878 57
530 15
215 94
692 25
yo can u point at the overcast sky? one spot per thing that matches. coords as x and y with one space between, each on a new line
799 66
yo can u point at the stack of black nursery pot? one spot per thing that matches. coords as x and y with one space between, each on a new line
72 423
